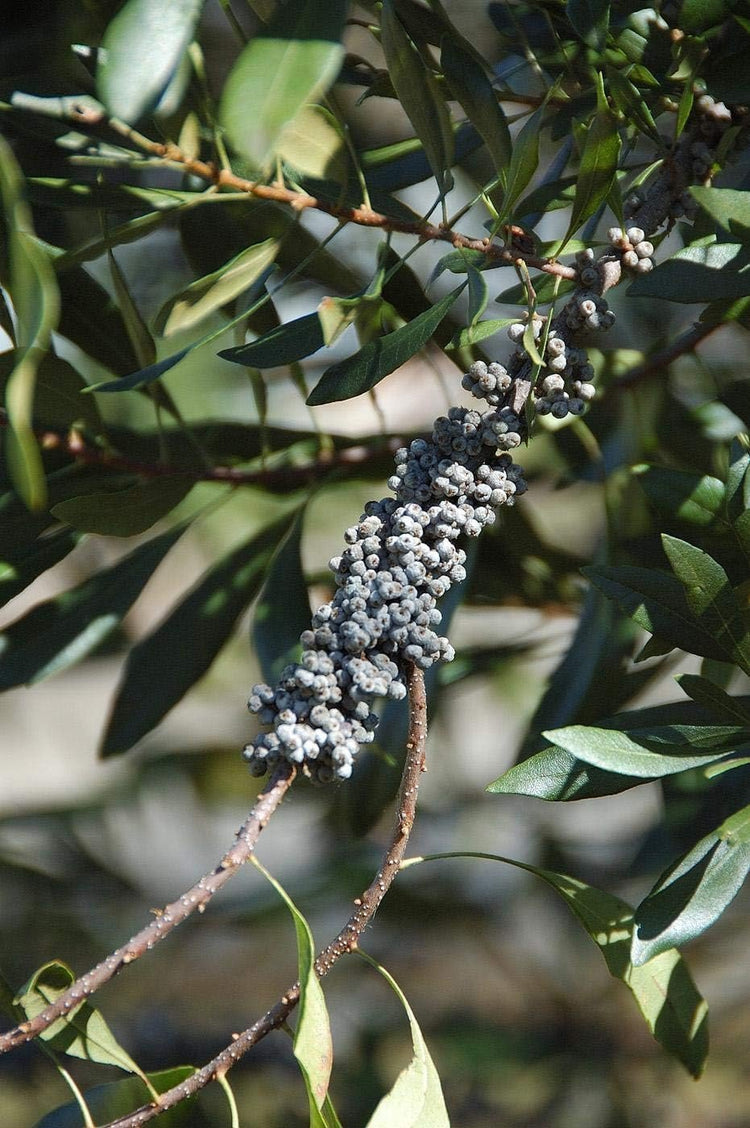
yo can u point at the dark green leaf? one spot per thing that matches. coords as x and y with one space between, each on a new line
632 104
145 375
558 776
523 162
16 574
141 51
58 402
81 1032
62 631
162 667
590 19
91 320
728 207
471 87
283 608
651 753
478 295
461 260
109 1102
698 274
710 598
283 345
125 513
694 498
596 174
695 891
419 95
380 357
291 63
714 698
657 602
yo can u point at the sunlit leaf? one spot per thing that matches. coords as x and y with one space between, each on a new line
523 163
694 498
313 144
596 174
141 51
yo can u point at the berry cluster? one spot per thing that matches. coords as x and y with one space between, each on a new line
635 249
399 560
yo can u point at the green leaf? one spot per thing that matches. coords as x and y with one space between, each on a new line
596 174
128 512
313 144
557 776
416 1099
291 63
657 602
62 631
151 372
381 356
478 295
206 295
280 346
91 320
728 207
693 893
702 273
33 289
471 87
82 1032
523 162
313 1046
58 402
109 1102
478 332
419 95
651 753
282 612
141 51
162 667
714 698
590 20
632 104
24 566
695 498
711 599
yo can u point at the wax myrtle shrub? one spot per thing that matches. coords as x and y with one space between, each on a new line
520 204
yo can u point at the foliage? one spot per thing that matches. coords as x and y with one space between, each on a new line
577 117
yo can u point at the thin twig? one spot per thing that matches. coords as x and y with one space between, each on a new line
346 941
167 919
661 360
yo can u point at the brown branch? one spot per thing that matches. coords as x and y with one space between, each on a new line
300 201
167 919
659 361
346 941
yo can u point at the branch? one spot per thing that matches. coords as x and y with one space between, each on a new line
661 360
84 114
347 939
166 919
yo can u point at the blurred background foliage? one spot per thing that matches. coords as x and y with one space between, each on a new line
525 1026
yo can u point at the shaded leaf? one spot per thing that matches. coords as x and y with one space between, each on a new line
162 667
728 207
291 63
141 51
695 498
700 273
714 698
416 1098
378 358
313 1045
58 402
125 513
62 631
419 95
208 294
282 612
590 19
25 565
280 346
108 1102
694 892
472 88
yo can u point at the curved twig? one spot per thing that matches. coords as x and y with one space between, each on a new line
167 919
347 939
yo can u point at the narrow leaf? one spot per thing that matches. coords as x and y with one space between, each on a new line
596 174
419 95
162 667
380 357
523 163
141 51
590 19
471 87
291 63
652 753
714 698
128 512
62 631
695 891
17 573
280 346
283 608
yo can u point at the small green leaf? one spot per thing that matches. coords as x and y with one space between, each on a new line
479 332
695 498
282 611
714 698
471 87
380 357
523 162
694 892
162 667
141 51
590 19
82 1032
280 346
25 565
206 295
478 295
419 95
632 104
62 631
701 273
120 1098
416 1099
657 602
292 63
598 167
710 598
124 513
313 1046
